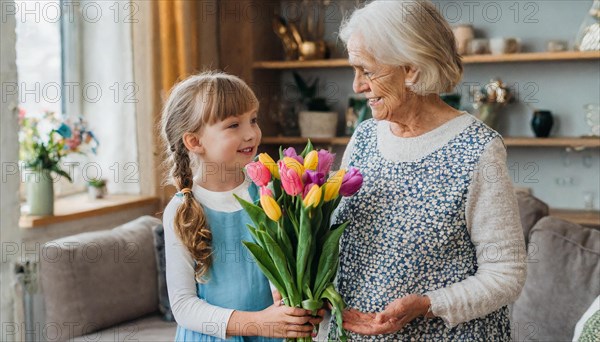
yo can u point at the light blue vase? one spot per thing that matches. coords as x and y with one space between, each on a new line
40 192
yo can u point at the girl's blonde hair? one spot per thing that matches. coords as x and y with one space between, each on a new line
193 103
409 33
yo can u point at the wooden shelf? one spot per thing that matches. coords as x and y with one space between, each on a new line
472 59
325 63
590 218
572 142
302 140
78 206
591 142
533 57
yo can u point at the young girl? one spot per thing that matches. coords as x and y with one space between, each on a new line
216 290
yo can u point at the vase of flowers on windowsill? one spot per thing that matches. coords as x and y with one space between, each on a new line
44 141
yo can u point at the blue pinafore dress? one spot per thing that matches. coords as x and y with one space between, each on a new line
408 234
234 279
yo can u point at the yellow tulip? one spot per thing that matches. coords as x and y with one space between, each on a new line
294 165
333 184
311 160
313 197
269 163
271 208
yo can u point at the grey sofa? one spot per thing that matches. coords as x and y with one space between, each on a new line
104 285
563 274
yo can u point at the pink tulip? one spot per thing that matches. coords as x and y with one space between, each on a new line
264 191
351 182
259 173
325 161
290 180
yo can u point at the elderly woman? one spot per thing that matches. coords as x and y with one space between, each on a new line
435 250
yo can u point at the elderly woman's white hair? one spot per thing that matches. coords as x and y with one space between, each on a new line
409 32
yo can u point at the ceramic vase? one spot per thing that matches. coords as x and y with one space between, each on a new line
488 113
40 192
318 124
541 123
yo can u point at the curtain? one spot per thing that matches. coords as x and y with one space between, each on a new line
177 38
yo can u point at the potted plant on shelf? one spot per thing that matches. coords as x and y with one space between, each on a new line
317 120
96 188
489 99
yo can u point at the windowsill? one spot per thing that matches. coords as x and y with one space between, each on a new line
79 206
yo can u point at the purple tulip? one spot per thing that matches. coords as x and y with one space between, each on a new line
325 161
351 182
313 177
291 152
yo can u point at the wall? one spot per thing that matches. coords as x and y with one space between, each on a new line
9 217
556 176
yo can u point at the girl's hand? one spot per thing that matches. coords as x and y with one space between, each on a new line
395 316
285 322
276 297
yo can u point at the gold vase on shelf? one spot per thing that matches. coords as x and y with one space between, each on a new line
488 114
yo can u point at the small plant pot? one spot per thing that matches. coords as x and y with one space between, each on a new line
318 124
95 192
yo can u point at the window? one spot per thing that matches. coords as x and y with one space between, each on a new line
75 58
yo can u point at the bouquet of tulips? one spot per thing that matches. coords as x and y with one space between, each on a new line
295 246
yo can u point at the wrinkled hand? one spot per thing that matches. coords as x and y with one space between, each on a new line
395 316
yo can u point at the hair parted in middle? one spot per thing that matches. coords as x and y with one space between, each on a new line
409 33
197 101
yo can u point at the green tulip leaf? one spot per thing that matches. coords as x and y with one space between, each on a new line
330 254
256 213
338 307
267 266
304 244
281 265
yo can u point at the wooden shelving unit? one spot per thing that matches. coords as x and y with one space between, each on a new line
473 59
566 142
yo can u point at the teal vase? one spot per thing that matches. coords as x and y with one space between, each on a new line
40 192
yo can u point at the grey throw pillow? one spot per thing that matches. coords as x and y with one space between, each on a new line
163 296
563 268
531 210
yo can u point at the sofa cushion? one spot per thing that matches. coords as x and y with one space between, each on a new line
531 210
164 305
562 280
148 328
98 279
